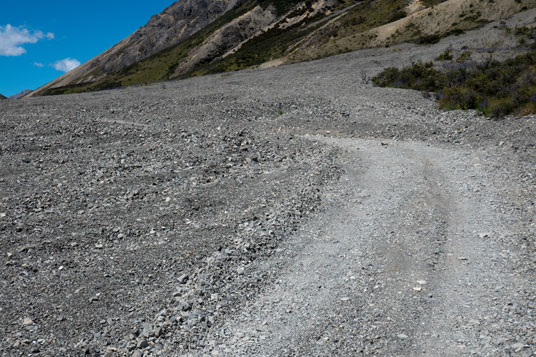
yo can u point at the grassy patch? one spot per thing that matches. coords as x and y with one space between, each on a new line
495 88
432 38
419 76
463 57
525 35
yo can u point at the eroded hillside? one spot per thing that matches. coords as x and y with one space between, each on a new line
233 35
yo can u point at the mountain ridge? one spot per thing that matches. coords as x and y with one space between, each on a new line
21 94
195 37
180 20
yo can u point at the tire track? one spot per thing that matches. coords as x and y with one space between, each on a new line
399 263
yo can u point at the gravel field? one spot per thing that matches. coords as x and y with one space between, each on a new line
289 211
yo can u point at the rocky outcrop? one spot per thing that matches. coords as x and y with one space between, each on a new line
179 22
176 23
228 37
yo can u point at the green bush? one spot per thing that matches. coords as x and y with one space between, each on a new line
493 88
400 14
460 98
419 76
464 57
428 39
445 56
429 3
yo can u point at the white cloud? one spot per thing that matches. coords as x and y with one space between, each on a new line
66 65
12 39
37 64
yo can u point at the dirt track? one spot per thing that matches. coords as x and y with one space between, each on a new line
405 261
288 211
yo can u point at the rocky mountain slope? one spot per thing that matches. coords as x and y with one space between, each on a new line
173 25
21 94
197 37
2 97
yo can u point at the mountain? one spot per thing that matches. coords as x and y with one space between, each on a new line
175 24
21 94
2 97
197 37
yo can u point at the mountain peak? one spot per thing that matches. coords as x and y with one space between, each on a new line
21 94
174 25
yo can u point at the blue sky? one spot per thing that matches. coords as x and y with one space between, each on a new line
40 40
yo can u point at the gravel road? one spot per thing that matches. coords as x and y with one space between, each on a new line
288 211
406 260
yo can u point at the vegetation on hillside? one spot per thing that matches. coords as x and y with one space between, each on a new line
494 88
281 6
270 45
364 16
429 3
329 32
157 67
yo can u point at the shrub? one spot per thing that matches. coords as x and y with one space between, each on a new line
400 14
460 98
445 56
493 88
419 76
428 39
464 57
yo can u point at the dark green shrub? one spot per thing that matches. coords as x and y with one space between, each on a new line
460 98
429 3
493 88
428 39
400 14
445 56
455 32
464 57
419 76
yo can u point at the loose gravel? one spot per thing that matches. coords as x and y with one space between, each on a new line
288 211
